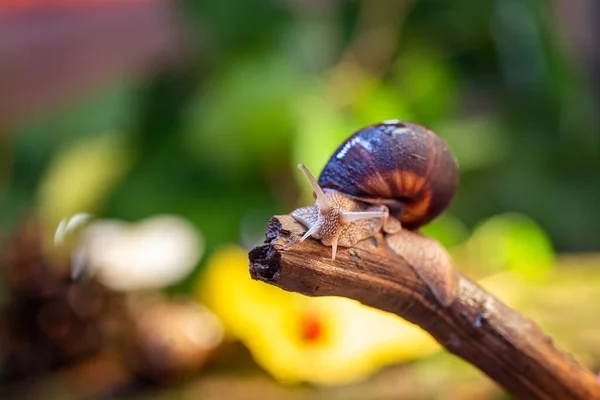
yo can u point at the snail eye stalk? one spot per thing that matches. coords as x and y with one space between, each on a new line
321 198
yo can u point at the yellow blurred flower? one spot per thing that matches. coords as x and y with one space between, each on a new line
325 340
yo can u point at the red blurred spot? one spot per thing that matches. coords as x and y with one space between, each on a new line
311 328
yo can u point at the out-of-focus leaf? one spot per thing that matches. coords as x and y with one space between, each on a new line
448 230
510 241
108 108
320 129
425 82
81 176
245 116
477 143
383 102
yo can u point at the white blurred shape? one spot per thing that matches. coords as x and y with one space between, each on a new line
68 225
151 254
78 263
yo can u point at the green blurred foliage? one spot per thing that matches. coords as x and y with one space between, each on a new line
217 138
508 242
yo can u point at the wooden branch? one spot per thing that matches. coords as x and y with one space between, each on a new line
477 327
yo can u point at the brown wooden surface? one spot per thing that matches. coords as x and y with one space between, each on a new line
509 348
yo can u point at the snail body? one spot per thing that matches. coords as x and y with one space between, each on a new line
384 177
337 219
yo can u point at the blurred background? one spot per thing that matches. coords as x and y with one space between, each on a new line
146 143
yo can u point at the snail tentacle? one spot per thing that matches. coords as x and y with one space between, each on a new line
334 244
321 198
353 216
309 232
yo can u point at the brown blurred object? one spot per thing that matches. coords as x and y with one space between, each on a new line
99 376
171 340
52 51
97 340
48 320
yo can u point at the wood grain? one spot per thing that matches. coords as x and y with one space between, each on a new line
477 327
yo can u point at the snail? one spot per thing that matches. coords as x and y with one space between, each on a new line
387 177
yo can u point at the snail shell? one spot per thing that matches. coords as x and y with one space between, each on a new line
399 164
387 176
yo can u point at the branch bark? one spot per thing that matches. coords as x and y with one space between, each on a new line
509 348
